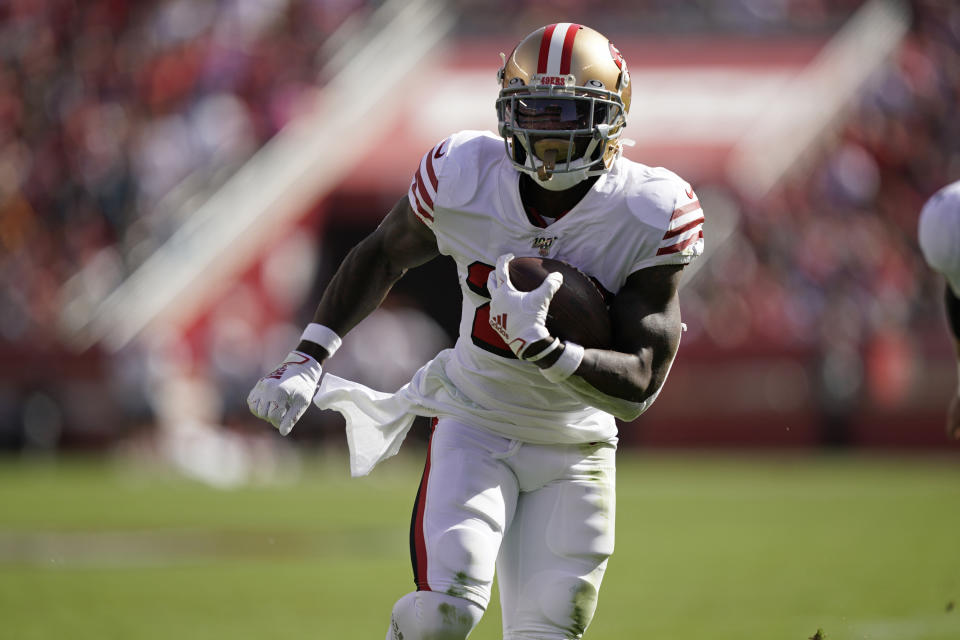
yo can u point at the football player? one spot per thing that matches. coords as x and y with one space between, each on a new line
939 234
519 474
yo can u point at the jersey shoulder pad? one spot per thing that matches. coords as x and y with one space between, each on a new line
665 202
448 173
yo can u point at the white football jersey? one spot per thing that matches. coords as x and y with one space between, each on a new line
939 233
467 192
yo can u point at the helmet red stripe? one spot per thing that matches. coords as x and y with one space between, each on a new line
545 48
568 49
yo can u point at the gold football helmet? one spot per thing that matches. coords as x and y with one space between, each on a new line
564 98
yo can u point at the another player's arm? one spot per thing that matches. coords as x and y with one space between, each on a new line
646 323
952 303
369 271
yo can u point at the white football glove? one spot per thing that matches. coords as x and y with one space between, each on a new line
519 317
281 396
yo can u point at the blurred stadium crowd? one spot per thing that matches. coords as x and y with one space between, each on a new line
829 259
107 106
111 108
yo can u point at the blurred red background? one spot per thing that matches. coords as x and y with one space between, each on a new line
813 320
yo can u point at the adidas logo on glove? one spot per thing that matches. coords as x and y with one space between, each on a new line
499 324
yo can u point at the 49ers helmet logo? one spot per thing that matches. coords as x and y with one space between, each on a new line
617 57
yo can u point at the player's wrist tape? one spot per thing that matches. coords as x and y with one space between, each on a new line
568 362
550 348
317 335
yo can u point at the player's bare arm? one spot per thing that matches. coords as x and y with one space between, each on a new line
371 268
646 334
358 287
646 325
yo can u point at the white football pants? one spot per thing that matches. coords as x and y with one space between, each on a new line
542 516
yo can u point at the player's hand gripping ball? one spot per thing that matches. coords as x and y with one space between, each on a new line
535 298
519 317
578 311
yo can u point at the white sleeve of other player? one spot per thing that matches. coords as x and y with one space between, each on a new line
939 233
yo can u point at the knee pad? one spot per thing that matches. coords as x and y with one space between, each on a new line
426 615
569 603
466 556
554 605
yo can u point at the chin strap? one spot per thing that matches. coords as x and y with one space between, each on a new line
561 181
545 171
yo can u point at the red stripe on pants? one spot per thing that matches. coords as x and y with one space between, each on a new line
419 542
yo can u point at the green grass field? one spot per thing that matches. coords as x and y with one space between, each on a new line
719 548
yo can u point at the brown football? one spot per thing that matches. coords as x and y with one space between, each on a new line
578 311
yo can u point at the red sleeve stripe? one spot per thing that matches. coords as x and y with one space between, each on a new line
426 169
687 208
422 190
428 161
421 212
417 206
680 246
680 237
683 220
423 187
672 233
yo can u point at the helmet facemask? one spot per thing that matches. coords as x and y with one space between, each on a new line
559 135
